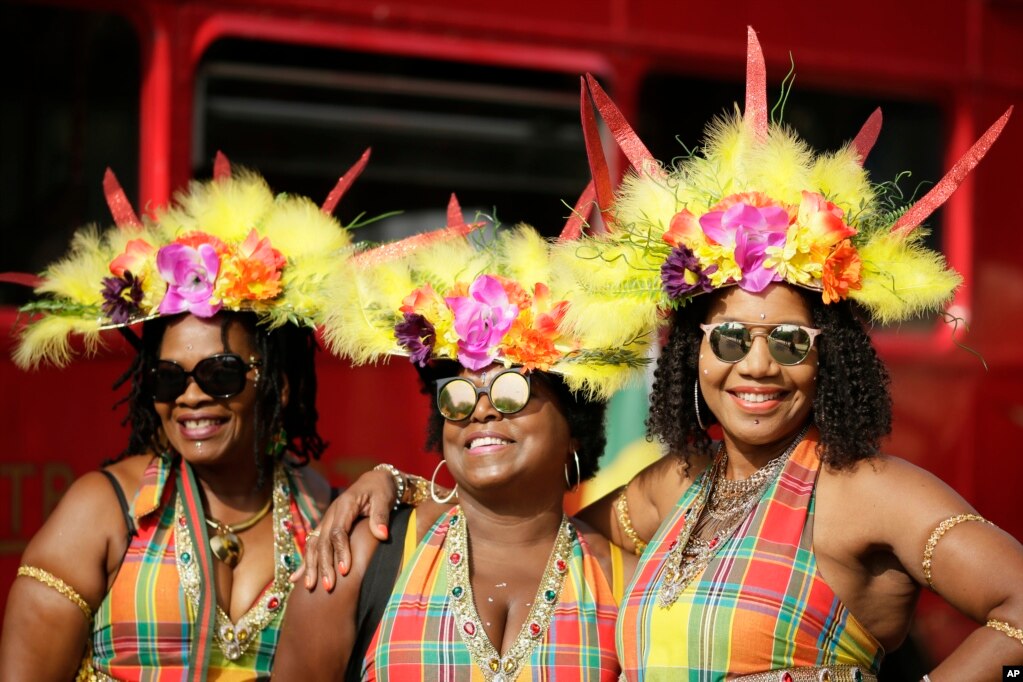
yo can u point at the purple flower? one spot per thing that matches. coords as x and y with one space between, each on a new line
116 307
190 275
750 230
682 275
417 335
481 320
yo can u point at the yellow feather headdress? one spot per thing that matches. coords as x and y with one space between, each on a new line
224 244
476 299
756 205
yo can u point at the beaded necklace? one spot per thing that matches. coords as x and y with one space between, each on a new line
234 639
495 667
721 506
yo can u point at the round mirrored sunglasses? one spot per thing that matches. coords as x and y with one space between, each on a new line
508 392
789 344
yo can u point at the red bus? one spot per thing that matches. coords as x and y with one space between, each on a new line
482 99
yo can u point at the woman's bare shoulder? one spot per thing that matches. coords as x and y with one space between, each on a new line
663 482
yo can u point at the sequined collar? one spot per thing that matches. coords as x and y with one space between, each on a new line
497 668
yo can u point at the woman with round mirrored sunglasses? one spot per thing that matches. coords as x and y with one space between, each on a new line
219 376
789 344
508 392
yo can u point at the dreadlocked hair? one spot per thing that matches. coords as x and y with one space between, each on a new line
852 408
585 417
287 358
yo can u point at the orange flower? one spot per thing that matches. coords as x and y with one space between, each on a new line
823 221
841 272
136 253
685 229
252 273
754 199
194 239
516 294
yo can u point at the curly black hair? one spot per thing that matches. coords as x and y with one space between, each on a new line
585 417
852 409
286 351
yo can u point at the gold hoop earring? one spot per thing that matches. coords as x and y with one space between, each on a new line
578 473
433 486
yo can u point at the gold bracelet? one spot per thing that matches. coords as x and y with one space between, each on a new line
417 491
625 523
55 583
1007 629
939 532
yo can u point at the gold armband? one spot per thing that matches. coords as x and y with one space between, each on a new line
625 523
1006 629
55 583
939 532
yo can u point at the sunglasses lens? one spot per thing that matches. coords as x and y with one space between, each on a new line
456 399
730 341
510 392
168 382
222 376
789 344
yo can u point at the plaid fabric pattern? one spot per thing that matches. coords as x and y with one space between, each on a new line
761 603
418 637
143 630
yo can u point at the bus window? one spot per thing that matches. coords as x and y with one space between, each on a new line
70 109
498 137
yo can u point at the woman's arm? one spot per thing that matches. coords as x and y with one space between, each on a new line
648 499
45 631
373 495
319 629
973 565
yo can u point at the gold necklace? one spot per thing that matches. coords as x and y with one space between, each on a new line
226 544
495 667
234 639
716 515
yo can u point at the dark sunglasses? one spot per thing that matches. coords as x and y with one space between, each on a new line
457 396
219 376
789 344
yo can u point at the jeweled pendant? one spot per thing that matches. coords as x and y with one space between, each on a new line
227 547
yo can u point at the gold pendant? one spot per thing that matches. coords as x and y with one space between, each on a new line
227 547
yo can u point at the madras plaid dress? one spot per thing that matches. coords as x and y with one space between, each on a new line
761 604
143 629
418 636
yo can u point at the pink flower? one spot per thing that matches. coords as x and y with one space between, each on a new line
823 221
749 230
133 259
190 274
481 320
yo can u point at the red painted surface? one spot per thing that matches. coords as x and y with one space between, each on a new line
954 418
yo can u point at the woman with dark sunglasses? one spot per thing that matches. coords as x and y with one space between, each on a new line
172 562
495 581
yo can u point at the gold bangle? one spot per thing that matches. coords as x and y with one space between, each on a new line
936 535
1007 629
625 523
417 491
55 583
